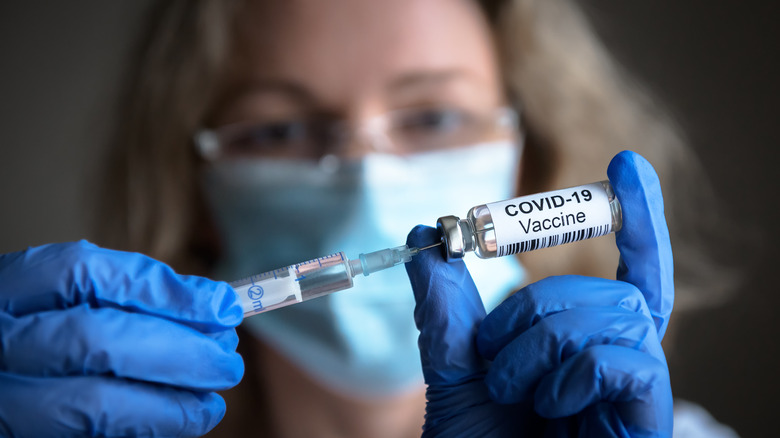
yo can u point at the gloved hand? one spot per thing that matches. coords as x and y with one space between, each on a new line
566 356
101 342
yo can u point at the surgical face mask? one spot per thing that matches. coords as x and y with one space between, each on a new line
361 342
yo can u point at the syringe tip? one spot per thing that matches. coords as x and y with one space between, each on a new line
384 258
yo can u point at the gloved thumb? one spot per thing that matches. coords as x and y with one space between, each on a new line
448 312
643 241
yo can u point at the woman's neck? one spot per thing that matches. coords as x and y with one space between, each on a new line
301 407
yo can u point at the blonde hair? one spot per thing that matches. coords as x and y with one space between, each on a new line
152 201
578 109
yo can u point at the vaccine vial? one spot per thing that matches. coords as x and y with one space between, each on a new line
533 222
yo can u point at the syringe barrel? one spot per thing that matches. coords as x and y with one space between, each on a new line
293 284
324 275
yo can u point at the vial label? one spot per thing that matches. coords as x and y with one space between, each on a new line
551 218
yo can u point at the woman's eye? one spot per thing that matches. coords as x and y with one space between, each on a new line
435 128
271 137
434 121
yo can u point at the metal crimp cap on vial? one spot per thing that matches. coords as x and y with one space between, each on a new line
452 237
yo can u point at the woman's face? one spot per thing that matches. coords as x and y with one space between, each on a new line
351 60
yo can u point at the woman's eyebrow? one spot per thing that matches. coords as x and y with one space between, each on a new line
428 79
290 89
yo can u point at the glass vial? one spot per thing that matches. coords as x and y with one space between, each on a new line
532 222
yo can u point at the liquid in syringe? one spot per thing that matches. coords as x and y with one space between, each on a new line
314 278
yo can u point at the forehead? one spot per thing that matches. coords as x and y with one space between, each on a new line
339 47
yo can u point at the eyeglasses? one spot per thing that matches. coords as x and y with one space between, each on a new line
400 132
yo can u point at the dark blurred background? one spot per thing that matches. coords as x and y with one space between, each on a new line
715 64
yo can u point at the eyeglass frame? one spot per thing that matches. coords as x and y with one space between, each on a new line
209 146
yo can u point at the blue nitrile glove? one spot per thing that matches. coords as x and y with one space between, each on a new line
566 356
95 342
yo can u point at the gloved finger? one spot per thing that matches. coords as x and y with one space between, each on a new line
447 312
227 339
519 367
103 406
645 248
86 341
64 275
551 295
636 383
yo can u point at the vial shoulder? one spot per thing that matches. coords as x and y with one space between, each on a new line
484 233
480 216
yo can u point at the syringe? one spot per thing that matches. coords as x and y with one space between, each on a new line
314 278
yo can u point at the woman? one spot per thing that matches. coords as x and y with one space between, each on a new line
325 126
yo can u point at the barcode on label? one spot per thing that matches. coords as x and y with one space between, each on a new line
558 239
